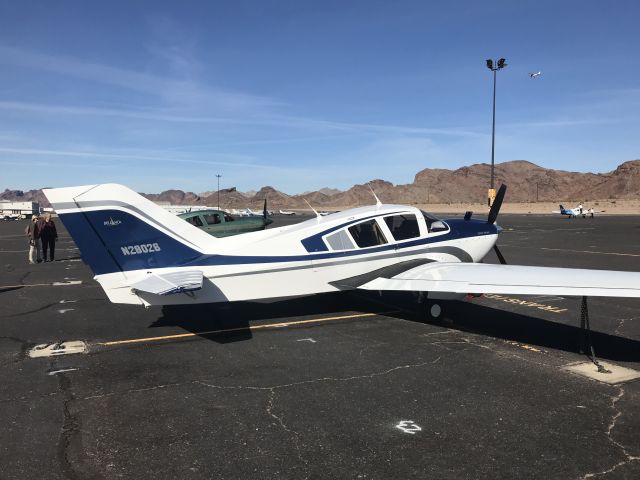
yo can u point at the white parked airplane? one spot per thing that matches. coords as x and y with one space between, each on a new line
142 254
578 211
535 74
287 212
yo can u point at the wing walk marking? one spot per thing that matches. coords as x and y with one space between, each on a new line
591 251
525 303
255 327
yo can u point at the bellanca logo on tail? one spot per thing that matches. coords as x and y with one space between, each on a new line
111 222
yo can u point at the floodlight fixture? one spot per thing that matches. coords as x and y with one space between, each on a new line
489 64
501 63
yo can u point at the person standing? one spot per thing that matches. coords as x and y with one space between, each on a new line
33 234
48 235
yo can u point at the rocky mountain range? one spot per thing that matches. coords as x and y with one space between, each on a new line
527 182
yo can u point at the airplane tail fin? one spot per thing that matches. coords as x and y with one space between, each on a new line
118 230
562 210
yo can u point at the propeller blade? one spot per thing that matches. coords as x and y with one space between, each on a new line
497 203
264 210
499 255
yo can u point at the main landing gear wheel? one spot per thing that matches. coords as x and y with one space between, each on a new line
435 310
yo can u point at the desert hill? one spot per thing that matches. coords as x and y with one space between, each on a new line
527 183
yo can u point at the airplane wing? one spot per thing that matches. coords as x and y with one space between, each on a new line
507 279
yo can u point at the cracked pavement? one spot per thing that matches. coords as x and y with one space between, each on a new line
322 400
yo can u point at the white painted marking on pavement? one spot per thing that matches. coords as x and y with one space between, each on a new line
62 370
306 340
68 301
56 349
65 310
409 426
70 282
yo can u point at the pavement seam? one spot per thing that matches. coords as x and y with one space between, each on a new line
70 433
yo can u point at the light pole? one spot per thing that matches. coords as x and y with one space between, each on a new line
218 175
499 65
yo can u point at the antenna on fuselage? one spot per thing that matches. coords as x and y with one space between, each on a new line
314 210
378 202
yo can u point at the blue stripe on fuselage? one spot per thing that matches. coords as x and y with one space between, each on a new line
103 237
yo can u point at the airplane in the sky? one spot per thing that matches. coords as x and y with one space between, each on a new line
578 211
142 254
535 74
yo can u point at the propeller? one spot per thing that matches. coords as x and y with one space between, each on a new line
499 254
264 210
493 215
497 203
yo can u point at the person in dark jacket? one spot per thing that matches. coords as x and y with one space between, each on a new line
33 234
48 236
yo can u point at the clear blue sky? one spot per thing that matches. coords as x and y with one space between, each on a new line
301 95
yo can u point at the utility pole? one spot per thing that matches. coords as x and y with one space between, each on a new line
499 65
218 175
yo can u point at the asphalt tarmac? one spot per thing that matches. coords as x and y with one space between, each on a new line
347 385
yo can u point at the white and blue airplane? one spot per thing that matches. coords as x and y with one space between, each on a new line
142 254
578 211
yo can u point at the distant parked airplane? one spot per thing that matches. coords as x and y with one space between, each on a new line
535 74
287 212
578 211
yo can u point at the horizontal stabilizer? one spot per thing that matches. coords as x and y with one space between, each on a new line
510 279
170 283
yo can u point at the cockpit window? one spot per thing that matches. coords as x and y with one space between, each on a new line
195 221
367 234
403 226
228 218
434 224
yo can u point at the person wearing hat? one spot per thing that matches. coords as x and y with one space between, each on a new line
33 234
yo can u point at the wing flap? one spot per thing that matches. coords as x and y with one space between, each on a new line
511 279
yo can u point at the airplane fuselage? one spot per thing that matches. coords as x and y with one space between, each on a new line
314 256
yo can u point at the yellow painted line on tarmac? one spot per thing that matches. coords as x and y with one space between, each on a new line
252 328
591 251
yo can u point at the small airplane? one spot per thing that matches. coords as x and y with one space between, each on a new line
287 212
141 254
578 211
222 224
535 74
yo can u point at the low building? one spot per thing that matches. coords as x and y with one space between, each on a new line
18 210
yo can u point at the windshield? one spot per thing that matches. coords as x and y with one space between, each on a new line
434 224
